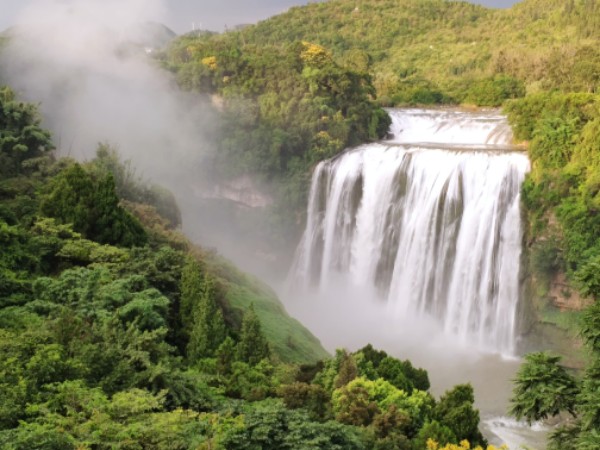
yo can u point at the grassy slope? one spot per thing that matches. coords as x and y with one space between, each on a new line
290 340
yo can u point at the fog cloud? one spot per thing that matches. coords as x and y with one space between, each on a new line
86 64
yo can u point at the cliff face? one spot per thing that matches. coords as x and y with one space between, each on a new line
242 190
564 297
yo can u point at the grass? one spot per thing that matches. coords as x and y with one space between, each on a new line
289 339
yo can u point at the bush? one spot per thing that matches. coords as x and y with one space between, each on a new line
494 91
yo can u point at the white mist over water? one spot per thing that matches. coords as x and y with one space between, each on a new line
413 244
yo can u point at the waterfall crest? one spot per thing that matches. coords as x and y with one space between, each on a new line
429 219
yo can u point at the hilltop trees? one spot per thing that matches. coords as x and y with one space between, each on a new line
21 137
436 51
92 207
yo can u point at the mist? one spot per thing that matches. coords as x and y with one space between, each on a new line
85 63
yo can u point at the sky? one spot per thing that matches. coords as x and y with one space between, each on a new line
183 15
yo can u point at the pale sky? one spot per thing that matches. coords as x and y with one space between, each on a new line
207 14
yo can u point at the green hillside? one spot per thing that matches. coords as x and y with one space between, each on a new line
76 208
431 51
446 44
299 87
116 332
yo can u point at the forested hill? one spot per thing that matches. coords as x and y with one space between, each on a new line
115 332
428 51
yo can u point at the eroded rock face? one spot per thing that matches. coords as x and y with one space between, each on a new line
242 190
564 296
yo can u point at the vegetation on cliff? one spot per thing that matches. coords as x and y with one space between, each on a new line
299 87
284 108
562 198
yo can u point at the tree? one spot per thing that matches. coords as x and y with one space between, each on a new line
149 310
353 405
376 363
92 208
590 325
71 199
208 327
132 187
225 356
348 371
311 397
455 410
21 136
392 422
270 426
191 291
361 400
253 346
112 224
393 371
543 389
436 432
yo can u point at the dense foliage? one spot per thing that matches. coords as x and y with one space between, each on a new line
562 197
284 105
115 332
562 192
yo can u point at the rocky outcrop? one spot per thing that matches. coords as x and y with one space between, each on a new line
564 296
243 190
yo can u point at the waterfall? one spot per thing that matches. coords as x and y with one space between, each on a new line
430 219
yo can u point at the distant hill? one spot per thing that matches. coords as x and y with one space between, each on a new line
152 35
440 47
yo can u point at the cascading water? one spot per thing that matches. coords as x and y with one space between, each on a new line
429 219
